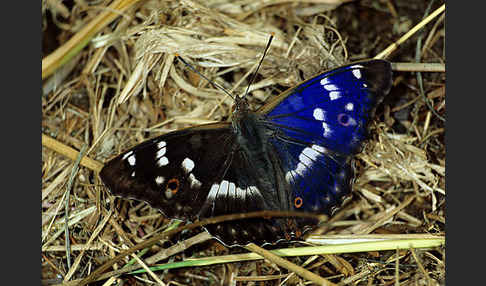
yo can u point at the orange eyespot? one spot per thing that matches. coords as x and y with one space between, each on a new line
298 233
298 202
173 185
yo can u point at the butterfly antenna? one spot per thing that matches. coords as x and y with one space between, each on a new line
259 64
203 76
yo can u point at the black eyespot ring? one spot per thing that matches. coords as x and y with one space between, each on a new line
343 119
298 202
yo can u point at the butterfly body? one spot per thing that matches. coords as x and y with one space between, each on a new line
293 154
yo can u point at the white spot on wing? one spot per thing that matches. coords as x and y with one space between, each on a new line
333 95
309 153
301 168
240 193
161 144
126 155
132 160
254 191
213 192
224 187
327 129
290 176
357 73
232 190
325 81
195 183
305 160
330 87
159 180
160 153
162 162
319 149
349 106
319 114
187 165
133 174
159 156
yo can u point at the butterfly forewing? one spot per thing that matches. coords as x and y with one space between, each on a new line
334 108
172 172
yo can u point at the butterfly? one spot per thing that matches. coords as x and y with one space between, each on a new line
295 153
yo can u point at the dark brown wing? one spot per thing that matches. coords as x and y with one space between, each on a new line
172 172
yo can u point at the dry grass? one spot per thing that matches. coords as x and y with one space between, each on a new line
124 86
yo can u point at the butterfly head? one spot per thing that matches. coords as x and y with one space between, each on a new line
240 108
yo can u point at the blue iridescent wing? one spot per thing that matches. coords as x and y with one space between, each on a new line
319 125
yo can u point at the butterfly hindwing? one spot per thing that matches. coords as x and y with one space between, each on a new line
318 178
253 183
